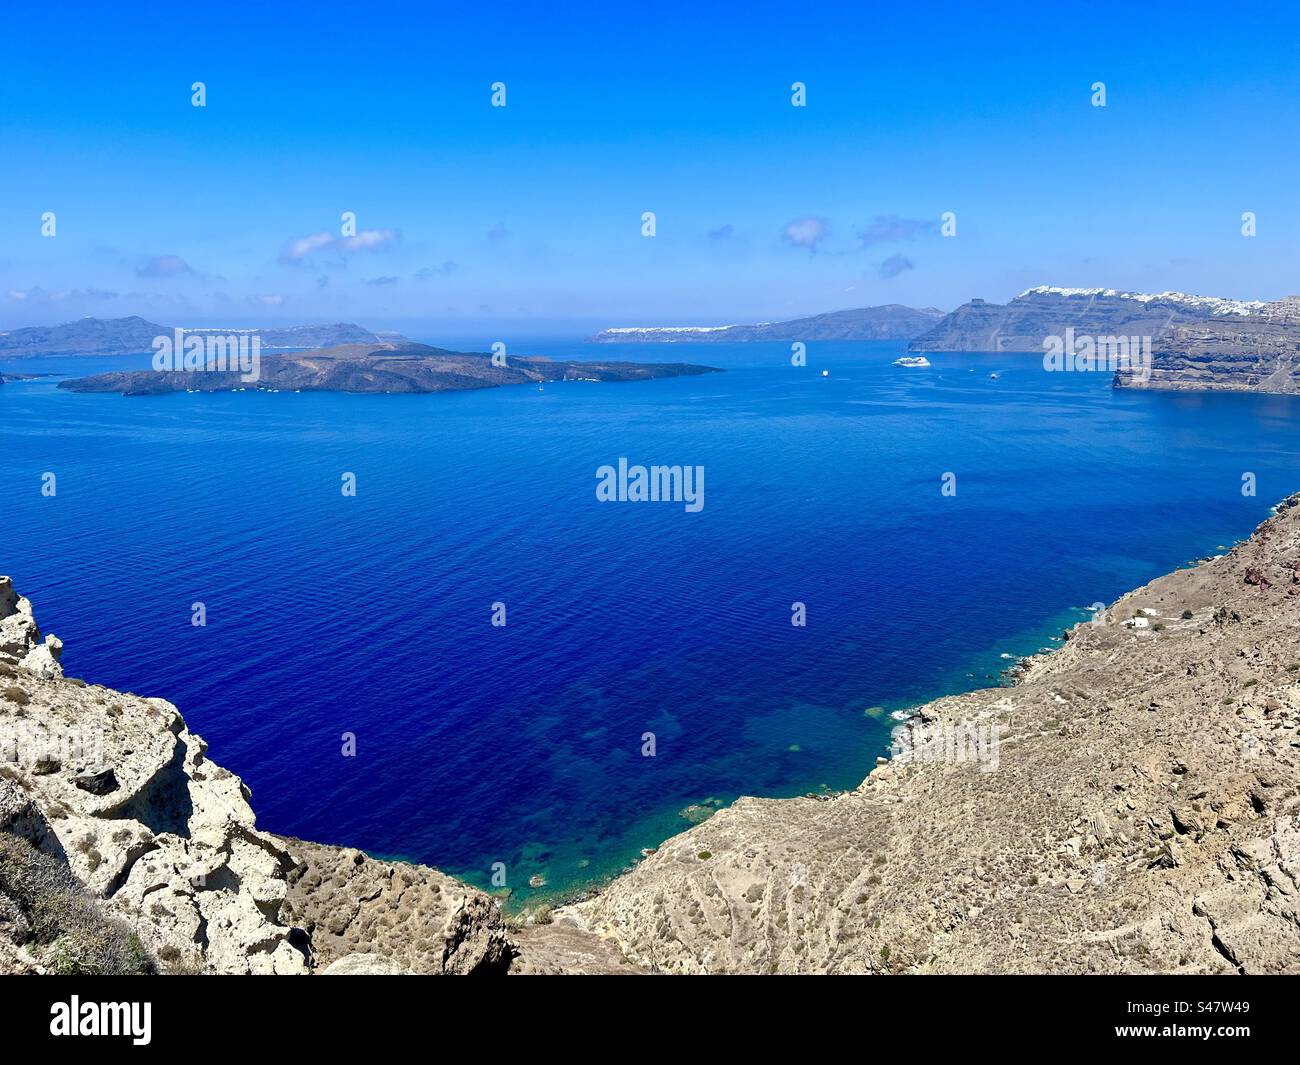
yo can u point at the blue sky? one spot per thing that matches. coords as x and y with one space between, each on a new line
529 216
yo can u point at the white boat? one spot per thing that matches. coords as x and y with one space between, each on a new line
912 360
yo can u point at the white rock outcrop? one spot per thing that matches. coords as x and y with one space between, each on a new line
116 786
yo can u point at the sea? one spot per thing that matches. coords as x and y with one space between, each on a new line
927 526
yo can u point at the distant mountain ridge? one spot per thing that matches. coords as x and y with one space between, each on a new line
891 321
135 335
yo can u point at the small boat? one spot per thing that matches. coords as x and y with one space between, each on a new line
912 360
993 377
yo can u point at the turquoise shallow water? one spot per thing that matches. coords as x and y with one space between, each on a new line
522 744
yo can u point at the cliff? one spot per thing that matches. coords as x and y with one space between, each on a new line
124 848
1194 343
1259 352
1037 313
1131 804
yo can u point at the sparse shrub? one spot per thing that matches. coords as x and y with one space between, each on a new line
17 695
93 953
181 966
704 856
63 918
1251 683
1187 615
46 765
6 670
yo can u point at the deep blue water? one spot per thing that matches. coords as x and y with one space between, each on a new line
522 745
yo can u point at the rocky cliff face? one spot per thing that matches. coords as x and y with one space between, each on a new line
1038 313
1195 343
1131 804
110 791
1259 352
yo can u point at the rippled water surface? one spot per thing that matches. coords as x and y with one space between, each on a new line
523 744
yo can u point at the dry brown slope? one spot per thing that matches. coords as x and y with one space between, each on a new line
1142 817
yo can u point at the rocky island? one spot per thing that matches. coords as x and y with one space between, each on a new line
1142 814
387 366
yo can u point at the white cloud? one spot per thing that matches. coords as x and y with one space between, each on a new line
369 238
301 248
805 232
